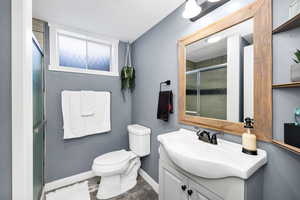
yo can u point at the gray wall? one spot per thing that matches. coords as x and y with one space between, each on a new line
155 57
70 157
5 100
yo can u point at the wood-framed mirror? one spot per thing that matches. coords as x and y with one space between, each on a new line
225 73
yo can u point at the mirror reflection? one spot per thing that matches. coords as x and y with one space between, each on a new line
219 74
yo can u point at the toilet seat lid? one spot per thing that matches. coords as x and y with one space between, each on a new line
112 158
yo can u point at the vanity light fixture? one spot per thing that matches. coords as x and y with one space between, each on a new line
192 9
213 39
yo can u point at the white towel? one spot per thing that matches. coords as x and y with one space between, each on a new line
76 125
100 121
73 122
87 103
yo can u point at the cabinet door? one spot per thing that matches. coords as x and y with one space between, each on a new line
196 195
198 192
173 186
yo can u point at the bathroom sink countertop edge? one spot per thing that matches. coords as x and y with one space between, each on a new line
207 160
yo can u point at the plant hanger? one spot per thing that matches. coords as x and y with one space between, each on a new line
128 72
128 55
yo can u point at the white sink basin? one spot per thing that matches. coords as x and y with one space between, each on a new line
207 160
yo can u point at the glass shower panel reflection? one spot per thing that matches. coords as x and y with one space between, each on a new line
206 92
213 93
192 93
38 120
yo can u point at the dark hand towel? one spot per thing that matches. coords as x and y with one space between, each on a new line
165 105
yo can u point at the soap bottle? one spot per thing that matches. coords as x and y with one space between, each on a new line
249 139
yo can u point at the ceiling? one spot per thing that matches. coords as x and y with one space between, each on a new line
202 50
125 20
205 51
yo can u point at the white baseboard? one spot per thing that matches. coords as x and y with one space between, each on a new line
89 174
68 181
149 180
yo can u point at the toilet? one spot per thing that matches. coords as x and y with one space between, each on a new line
119 169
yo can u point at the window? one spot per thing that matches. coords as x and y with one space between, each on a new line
82 53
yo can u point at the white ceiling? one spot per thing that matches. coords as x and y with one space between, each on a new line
122 19
202 50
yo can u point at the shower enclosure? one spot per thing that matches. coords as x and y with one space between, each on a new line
38 118
206 91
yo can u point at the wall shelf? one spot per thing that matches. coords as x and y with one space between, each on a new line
287 85
289 25
286 146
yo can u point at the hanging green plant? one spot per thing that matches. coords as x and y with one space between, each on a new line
297 54
128 72
128 77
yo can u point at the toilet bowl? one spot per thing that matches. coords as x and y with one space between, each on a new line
119 169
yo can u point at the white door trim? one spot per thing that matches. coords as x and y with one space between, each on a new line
21 86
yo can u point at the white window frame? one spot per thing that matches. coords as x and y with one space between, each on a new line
56 30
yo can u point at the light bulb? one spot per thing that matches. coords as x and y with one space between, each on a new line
213 39
192 9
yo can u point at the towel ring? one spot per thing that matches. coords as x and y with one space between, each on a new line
168 82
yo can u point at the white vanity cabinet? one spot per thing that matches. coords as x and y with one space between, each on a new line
177 184
200 193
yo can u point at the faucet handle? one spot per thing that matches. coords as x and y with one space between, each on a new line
200 133
204 136
214 139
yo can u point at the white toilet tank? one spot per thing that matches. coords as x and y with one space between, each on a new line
139 139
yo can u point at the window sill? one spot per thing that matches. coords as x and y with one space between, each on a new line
82 71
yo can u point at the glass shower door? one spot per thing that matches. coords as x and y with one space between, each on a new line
38 120
206 92
192 93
